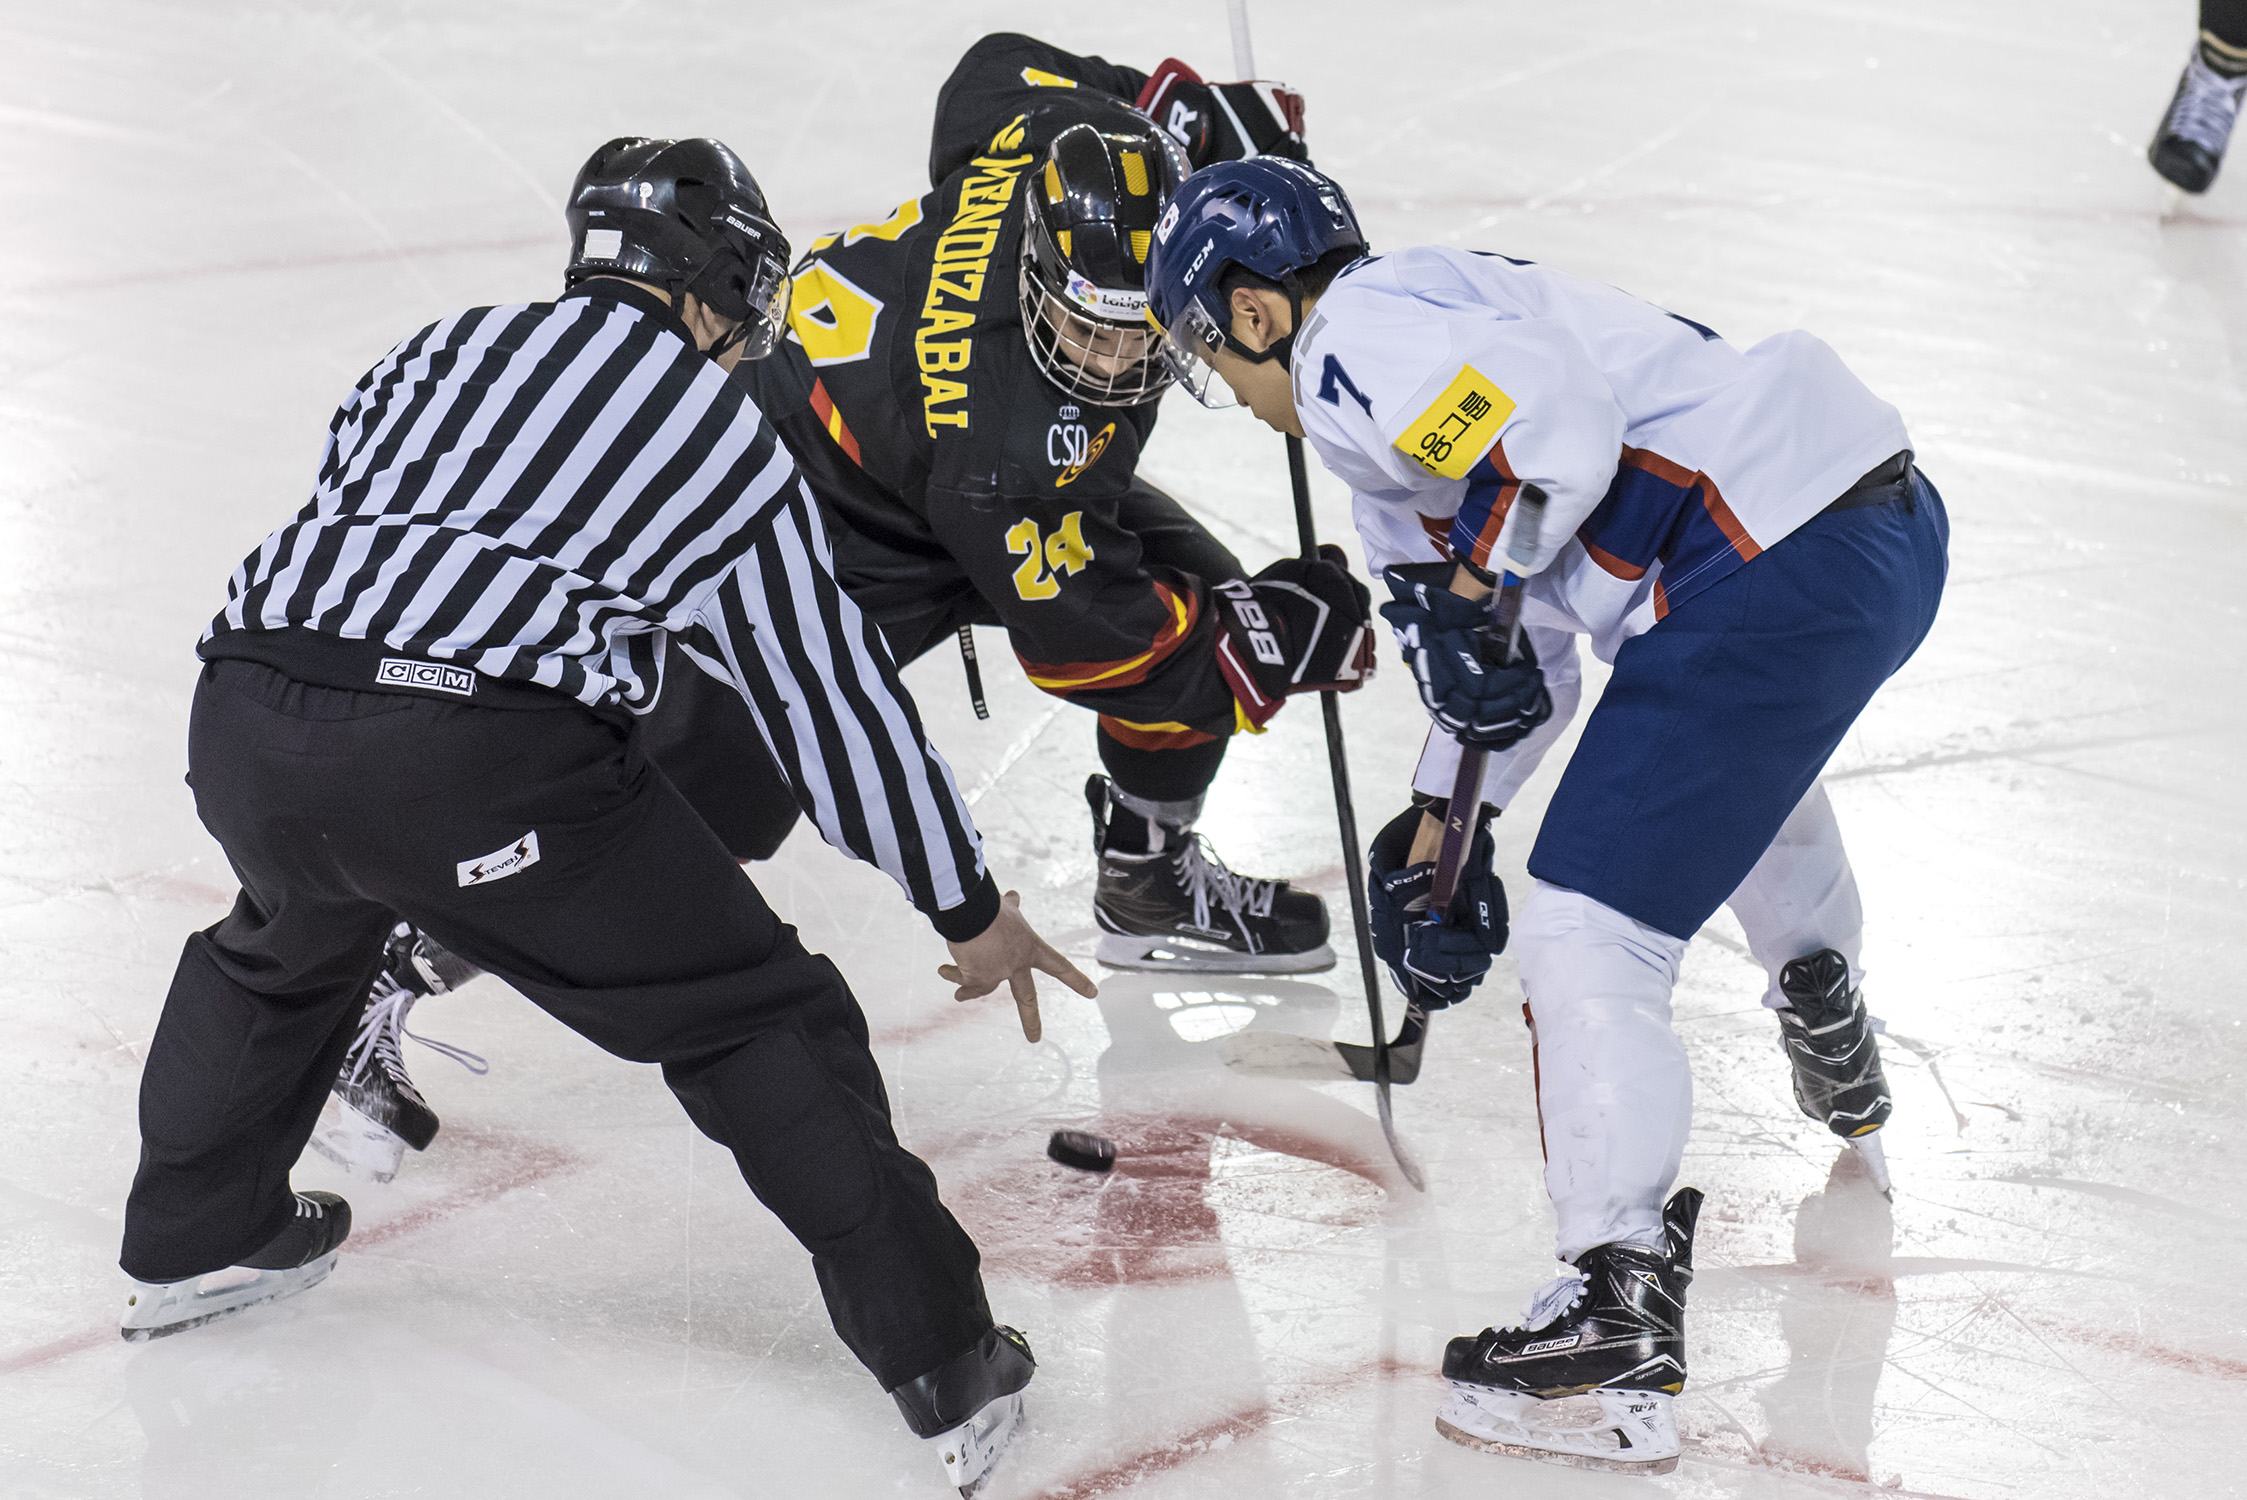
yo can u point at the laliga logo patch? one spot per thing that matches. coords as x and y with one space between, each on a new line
429 676
1108 302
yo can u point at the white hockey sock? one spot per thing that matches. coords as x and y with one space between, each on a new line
1802 896
1613 1090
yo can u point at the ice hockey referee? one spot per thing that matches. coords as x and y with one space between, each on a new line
420 703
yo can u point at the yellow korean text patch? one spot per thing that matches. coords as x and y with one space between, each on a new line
1458 425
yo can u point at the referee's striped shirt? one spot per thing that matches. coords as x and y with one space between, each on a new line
554 494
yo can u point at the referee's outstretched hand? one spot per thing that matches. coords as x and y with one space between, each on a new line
1006 952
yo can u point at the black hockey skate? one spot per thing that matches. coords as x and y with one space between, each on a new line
295 1260
1588 1376
374 1112
2188 149
1166 902
1832 1044
970 1407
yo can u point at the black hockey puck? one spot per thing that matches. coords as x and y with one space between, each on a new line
1083 1150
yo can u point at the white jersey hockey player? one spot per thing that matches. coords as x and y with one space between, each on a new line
1742 534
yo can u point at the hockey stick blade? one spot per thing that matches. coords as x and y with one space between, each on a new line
1404 1052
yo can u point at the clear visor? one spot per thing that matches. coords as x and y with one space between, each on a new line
759 333
1186 348
1098 361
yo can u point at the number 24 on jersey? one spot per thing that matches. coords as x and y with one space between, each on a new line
1047 555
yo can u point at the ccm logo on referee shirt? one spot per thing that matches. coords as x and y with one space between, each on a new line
430 676
514 859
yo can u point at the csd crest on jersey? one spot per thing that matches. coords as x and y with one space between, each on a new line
1071 447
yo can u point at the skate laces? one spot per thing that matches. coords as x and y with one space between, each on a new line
2206 106
381 1027
1553 1301
1210 883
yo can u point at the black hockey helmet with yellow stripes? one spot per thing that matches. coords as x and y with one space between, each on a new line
1088 227
685 216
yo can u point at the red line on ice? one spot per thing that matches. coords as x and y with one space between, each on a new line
510 1162
2118 1341
1192 1444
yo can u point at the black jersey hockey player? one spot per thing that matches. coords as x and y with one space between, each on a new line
968 385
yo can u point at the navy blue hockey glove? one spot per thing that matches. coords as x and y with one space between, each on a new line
1439 963
1459 662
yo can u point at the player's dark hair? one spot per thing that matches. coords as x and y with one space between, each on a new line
1311 281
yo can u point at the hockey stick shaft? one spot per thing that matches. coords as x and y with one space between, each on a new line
1465 808
1337 757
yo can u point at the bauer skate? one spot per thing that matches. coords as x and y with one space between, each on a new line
374 1112
969 1410
1589 1375
295 1260
2188 149
1165 902
1834 1047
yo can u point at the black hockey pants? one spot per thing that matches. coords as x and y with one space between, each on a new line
541 845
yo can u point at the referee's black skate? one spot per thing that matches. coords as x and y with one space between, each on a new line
1166 902
969 1409
295 1260
1589 1374
374 1112
1834 1047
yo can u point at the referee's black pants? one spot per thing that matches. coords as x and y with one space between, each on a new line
344 811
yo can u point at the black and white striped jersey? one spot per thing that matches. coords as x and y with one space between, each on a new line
555 494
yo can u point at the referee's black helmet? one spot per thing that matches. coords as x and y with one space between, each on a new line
685 216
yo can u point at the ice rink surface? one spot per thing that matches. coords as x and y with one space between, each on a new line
213 216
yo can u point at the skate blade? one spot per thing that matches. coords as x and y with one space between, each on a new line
1628 1432
971 1452
355 1143
1175 955
1874 1156
157 1310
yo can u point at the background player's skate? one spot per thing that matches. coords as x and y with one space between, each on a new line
1165 901
374 1112
1834 1047
1587 1377
2189 147
295 1260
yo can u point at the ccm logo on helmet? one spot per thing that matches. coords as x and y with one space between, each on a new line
1194 266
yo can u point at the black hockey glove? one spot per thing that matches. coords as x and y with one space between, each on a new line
1224 121
1438 962
1460 664
1300 626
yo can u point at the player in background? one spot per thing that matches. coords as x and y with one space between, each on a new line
1742 534
2188 149
421 701
969 383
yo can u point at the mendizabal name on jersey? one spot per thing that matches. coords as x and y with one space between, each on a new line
962 259
1459 426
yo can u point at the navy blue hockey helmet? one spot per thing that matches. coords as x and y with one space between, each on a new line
1267 215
